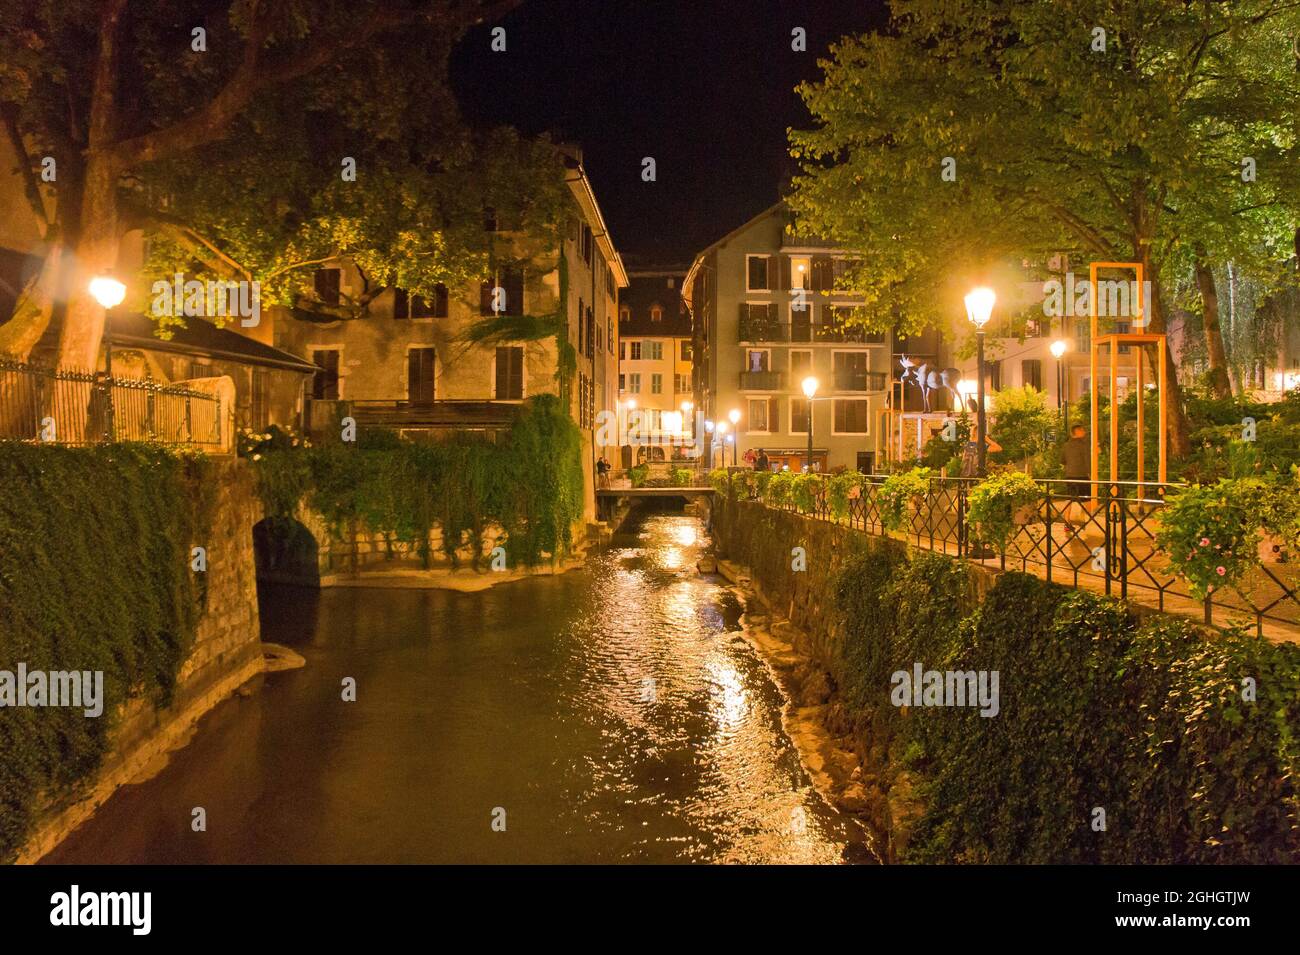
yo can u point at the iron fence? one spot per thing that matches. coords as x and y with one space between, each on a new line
1103 539
70 406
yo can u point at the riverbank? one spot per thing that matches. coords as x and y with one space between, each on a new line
813 718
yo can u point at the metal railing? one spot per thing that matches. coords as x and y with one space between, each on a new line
1107 544
758 328
70 406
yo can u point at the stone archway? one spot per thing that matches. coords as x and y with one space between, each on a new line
285 552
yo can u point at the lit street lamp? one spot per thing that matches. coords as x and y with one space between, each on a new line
1062 403
734 417
108 292
721 428
979 307
709 426
809 389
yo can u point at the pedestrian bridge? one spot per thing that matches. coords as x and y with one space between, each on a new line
607 498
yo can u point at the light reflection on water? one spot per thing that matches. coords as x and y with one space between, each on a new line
613 712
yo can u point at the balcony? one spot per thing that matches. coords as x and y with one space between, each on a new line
757 330
762 381
437 416
854 380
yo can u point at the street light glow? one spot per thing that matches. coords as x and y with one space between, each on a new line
722 427
734 415
1058 347
810 385
708 426
107 291
979 305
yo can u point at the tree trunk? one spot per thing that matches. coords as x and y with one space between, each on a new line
1220 386
1179 435
97 247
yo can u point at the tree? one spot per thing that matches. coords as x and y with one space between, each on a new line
1021 424
131 102
1074 127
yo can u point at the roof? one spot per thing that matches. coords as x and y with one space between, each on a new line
699 257
200 337
646 290
580 186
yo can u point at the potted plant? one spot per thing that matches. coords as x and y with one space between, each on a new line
778 489
901 494
1210 535
1000 504
806 490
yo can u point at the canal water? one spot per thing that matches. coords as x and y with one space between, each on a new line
611 714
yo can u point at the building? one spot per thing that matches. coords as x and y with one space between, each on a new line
768 311
656 393
405 364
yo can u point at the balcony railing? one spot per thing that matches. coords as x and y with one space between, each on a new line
762 381
757 329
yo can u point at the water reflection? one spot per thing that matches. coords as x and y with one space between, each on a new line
614 713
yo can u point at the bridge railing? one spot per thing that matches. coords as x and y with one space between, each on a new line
1099 536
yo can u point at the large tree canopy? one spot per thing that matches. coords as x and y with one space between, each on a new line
1110 129
228 146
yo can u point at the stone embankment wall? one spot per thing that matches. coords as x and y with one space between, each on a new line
226 653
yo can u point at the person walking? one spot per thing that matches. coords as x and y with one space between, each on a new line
1076 455
602 472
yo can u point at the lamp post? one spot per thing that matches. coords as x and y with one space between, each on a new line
979 306
1062 403
108 292
709 427
809 389
734 417
721 428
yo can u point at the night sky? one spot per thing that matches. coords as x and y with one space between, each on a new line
705 87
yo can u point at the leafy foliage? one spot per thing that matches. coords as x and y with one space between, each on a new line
995 503
1210 535
898 492
94 575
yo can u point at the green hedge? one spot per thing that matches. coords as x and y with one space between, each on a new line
94 575
530 484
1142 718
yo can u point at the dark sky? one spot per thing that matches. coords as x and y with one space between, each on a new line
706 87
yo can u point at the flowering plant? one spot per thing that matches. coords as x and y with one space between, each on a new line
1210 534
995 503
253 444
898 491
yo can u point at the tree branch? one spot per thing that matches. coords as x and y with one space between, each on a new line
32 189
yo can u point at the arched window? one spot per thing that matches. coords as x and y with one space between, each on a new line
624 313
656 313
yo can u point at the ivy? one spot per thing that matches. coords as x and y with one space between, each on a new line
94 575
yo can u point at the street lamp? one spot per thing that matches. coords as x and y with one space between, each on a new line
809 389
108 292
734 417
979 307
721 429
1062 404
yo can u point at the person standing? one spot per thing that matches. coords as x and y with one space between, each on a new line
761 463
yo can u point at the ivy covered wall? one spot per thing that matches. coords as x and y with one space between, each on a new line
1188 740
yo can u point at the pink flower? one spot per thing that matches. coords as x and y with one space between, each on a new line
1220 570
1205 542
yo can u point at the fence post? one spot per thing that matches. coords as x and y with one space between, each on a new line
1047 493
1109 538
150 408
961 519
1123 545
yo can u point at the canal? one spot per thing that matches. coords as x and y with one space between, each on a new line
611 714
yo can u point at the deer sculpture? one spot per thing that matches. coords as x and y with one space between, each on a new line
930 380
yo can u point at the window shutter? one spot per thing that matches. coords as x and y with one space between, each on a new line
401 303
774 415
783 270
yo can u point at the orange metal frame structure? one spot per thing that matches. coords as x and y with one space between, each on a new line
1113 341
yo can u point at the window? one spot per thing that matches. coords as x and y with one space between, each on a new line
325 383
622 382
609 333
406 305
800 272
1031 373
635 348
511 283
656 384
686 350
681 383
261 411
1082 336
656 351
656 313
851 370
800 365
622 351
850 415
509 373
798 415
419 376
1124 328
634 383
585 243
600 340
758 359
757 278
756 422
582 326
591 333
327 285
624 313
995 376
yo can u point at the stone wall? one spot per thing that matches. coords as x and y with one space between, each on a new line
227 652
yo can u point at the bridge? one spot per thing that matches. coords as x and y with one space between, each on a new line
607 498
